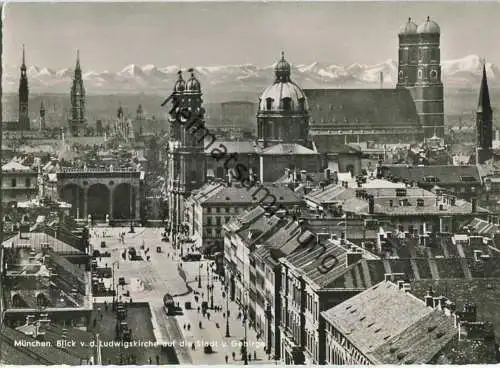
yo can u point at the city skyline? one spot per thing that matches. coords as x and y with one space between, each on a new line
196 34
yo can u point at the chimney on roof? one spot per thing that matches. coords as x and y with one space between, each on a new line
353 256
474 205
371 205
429 298
477 254
394 277
327 175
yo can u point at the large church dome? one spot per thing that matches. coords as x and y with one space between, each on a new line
283 95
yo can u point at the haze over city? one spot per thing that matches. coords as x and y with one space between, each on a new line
113 35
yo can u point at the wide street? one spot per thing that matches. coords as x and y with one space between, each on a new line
149 281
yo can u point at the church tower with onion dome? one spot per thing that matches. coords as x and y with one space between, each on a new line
282 116
419 71
185 152
408 54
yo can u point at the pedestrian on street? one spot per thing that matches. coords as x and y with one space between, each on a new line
150 361
223 315
234 355
198 310
227 358
192 346
208 316
157 360
254 355
249 357
184 327
189 326
199 324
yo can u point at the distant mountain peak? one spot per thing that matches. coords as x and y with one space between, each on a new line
150 78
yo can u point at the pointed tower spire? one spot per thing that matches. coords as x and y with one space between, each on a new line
77 59
23 64
484 103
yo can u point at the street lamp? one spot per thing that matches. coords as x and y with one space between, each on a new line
113 275
199 275
227 315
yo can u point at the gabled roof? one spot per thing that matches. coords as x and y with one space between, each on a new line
288 149
384 313
361 107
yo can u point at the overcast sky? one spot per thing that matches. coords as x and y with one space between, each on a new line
113 35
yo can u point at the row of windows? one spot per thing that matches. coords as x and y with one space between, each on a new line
215 210
14 182
218 220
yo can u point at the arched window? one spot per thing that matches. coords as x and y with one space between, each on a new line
420 74
302 104
434 74
17 301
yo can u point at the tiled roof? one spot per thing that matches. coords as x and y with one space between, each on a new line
446 174
240 195
329 144
483 292
206 191
288 149
384 313
483 227
361 107
418 343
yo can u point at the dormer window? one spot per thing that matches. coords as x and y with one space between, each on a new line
287 103
269 103
302 104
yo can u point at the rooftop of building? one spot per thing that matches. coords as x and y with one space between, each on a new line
361 107
238 195
38 240
329 144
30 273
288 149
385 314
440 174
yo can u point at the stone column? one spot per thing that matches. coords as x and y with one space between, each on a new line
111 190
85 199
137 204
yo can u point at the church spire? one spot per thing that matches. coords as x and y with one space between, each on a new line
78 59
484 104
23 64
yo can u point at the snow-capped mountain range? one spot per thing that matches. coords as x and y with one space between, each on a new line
149 78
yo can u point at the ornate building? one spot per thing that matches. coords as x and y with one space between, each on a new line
282 115
484 123
419 71
185 152
77 123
